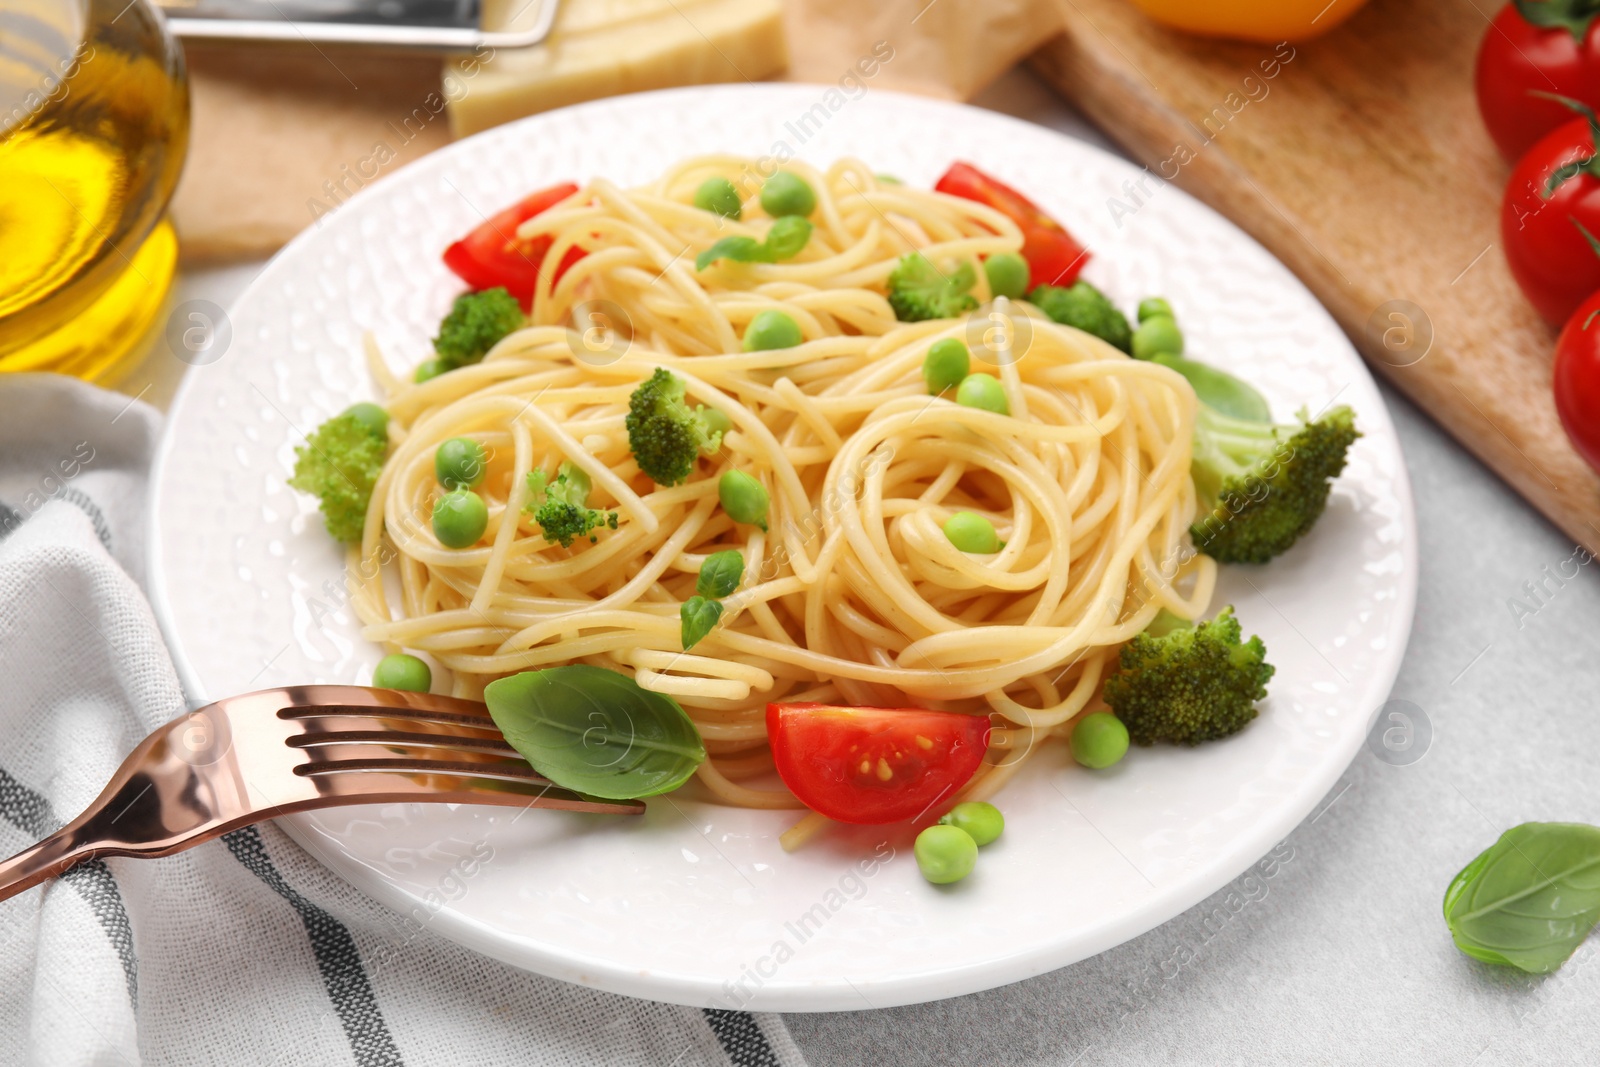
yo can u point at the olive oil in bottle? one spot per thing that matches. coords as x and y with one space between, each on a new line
94 121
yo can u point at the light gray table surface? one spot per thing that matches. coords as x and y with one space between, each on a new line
1340 955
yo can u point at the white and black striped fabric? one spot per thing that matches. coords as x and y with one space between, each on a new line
243 951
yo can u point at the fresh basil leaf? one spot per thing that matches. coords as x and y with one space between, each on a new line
1219 390
787 237
720 574
1469 876
739 248
595 731
699 616
1530 899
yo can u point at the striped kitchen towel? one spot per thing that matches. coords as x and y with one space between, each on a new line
244 950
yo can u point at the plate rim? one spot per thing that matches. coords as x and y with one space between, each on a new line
922 986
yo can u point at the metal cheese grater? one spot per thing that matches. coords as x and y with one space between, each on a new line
411 25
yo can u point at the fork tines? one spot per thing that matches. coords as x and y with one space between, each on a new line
433 741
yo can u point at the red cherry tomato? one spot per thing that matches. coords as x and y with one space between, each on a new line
492 256
874 765
1577 379
1547 47
1054 256
1544 229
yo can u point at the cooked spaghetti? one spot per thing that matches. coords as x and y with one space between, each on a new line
853 594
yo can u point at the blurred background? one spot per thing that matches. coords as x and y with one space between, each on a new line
276 113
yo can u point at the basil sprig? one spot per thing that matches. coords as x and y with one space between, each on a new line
595 731
785 239
1530 899
698 616
719 576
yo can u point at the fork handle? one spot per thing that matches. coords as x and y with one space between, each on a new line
51 857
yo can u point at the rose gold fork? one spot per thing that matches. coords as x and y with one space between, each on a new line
254 757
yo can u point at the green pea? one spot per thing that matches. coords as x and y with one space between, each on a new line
982 822
888 179
945 365
1008 274
771 329
371 416
945 854
1099 740
716 421
718 196
744 498
971 532
787 194
983 391
459 463
1151 306
429 368
459 518
401 671
1157 336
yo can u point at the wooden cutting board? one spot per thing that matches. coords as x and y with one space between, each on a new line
1363 165
279 133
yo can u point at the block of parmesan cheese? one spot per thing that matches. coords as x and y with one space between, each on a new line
603 48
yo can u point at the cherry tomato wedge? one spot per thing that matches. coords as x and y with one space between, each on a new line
874 765
1557 52
1054 256
1543 228
1577 379
492 256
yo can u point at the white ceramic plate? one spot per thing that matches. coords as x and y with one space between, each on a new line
695 903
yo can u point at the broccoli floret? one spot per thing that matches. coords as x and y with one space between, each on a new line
339 464
666 435
1194 683
476 323
561 508
918 290
1261 485
1086 308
